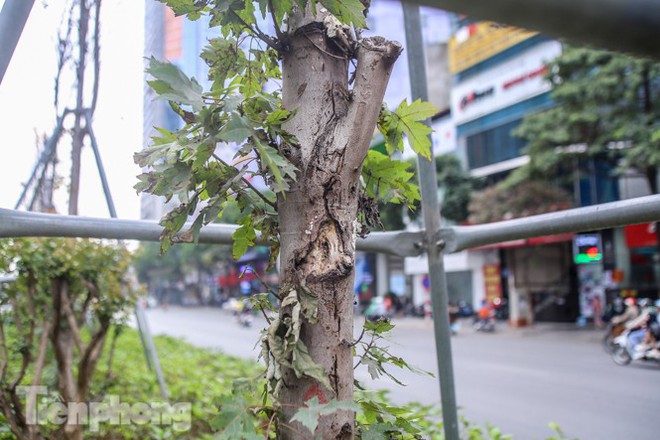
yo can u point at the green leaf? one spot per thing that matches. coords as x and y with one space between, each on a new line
379 327
186 7
243 236
408 120
378 431
347 11
172 84
388 180
309 414
234 419
279 167
237 129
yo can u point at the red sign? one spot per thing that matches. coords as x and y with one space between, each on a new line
642 235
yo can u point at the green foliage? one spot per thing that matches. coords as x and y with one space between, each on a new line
408 120
503 202
388 179
192 374
607 107
376 356
54 318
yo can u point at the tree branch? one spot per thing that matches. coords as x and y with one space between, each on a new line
71 319
376 57
256 31
247 182
278 31
5 354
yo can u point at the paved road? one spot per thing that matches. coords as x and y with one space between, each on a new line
518 380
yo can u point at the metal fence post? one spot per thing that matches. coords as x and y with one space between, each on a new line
431 212
13 16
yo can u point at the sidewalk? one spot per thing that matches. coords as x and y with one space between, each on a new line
502 327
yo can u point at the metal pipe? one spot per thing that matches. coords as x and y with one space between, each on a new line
591 218
31 224
431 211
13 16
99 164
623 25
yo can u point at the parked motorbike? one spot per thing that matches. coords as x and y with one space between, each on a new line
621 355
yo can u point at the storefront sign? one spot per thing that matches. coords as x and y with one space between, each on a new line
477 42
587 248
522 78
475 96
512 81
642 235
492 281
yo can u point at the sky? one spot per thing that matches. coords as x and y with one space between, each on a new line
26 108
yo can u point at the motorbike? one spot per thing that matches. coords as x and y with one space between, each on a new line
484 325
244 319
611 333
621 355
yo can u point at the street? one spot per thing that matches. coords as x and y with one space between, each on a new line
517 380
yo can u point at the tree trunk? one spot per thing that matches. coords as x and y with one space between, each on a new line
334 127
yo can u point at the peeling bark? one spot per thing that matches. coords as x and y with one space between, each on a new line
334 126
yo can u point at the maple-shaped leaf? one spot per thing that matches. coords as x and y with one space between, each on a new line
235 420
309 414
347 11
407 120
243 236
388 179
172 84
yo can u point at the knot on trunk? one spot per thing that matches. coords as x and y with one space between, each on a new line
326 258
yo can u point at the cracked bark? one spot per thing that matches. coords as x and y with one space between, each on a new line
334 127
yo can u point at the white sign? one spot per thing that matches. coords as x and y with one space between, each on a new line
508 83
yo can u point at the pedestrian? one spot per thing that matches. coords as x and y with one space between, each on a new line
598 311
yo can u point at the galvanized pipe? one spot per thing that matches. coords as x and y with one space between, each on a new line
31 224
623 25
13 16
591 218
431 212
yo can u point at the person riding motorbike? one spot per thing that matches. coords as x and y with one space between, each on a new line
640 330
485 319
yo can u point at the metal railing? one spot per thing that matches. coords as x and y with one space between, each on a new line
630 25
399 243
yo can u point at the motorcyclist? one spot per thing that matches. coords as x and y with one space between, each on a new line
631 312
640 329
485 319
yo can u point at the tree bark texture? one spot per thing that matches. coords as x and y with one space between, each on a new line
334 126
